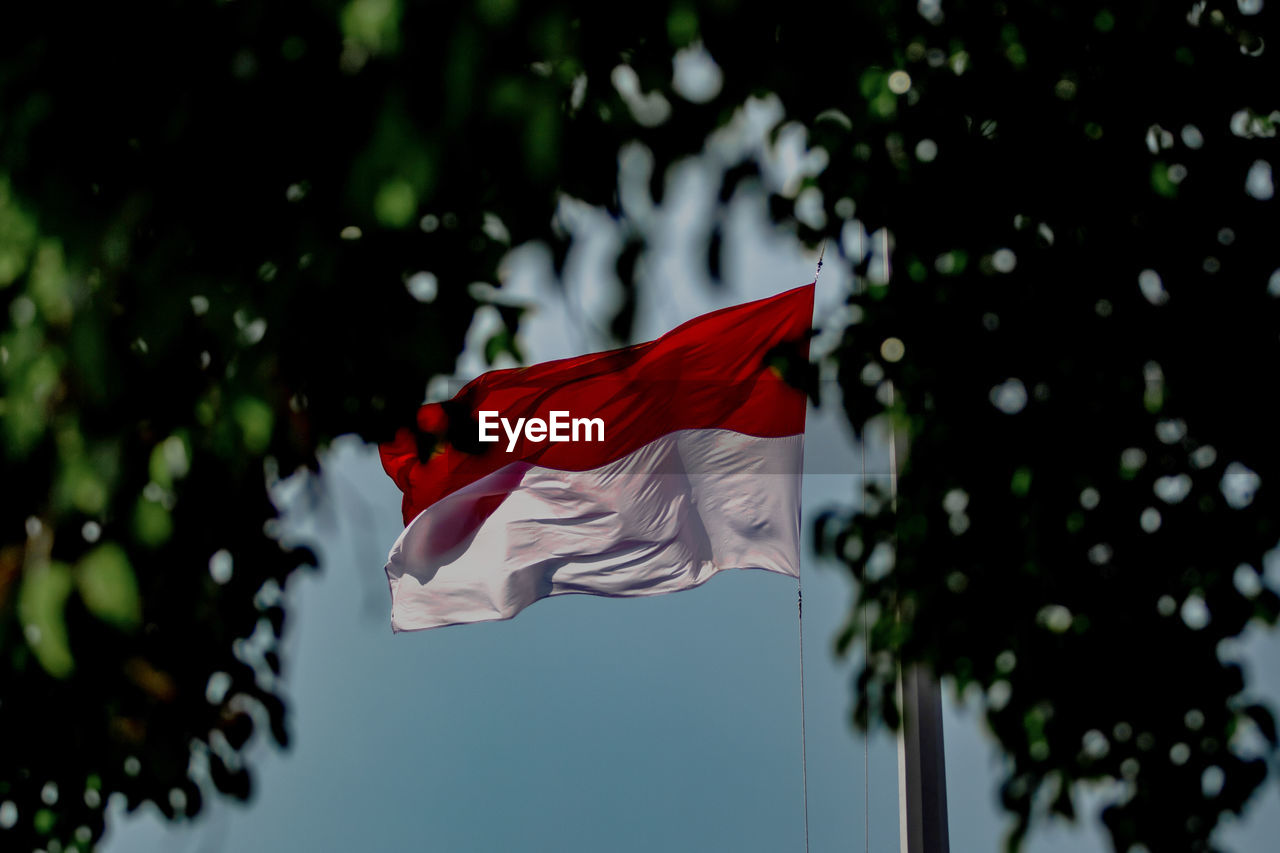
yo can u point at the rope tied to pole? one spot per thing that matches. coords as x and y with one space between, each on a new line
804 741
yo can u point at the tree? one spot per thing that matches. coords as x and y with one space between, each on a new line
202 207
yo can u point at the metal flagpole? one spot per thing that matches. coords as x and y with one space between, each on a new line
922 777
922 781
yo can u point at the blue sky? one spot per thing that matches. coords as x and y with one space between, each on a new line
591 724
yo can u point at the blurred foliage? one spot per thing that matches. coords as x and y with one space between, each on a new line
231 231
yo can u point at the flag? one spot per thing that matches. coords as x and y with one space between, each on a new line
637 471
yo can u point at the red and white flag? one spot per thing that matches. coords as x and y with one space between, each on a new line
637 471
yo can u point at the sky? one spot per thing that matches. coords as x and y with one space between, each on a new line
594 724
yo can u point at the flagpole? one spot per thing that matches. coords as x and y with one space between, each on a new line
922 770
922 774
922 781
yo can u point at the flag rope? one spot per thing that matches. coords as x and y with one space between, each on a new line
804 757
804 740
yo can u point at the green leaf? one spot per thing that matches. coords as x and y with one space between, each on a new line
503 341
108 586
80 486
1160 180
44 821
682 25
255 419
17 236
152 524
41 603
872 83
50 284
396 203
373 25
170 460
